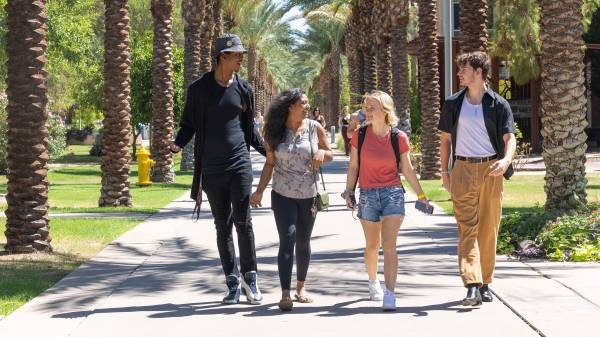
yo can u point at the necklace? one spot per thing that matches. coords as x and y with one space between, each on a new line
475 106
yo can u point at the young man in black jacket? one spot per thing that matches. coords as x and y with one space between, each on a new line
220 111
478 135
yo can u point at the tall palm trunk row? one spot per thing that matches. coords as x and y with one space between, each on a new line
162 90
117 130
27 219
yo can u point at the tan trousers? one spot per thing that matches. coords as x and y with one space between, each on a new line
477 201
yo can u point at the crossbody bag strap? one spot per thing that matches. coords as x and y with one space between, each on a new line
310 132
362 131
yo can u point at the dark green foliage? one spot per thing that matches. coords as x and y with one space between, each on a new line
516 37
559 235
415 110
141 80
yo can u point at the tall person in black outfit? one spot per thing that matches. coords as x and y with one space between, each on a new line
220 111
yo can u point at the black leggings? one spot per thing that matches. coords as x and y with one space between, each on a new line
295 224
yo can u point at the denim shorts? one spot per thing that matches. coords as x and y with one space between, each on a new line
375 203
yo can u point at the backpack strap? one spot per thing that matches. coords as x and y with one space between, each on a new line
394 137
362 131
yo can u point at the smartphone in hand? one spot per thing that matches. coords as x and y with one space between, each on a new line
421 206
352 203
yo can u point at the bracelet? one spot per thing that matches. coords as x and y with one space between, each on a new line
421 196
347 193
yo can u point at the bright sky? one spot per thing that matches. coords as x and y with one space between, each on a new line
299 24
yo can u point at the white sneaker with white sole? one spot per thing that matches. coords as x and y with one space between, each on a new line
389 301
375 291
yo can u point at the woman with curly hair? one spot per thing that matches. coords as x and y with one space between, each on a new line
296 147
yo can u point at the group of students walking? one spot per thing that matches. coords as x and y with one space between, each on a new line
220 111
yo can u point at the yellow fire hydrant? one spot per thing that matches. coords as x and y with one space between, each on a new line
144 165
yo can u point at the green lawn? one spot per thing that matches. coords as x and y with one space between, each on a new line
22 277
521 192
76 188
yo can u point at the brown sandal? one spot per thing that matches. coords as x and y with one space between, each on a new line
304 298
286 304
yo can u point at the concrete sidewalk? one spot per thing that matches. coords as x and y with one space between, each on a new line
164 277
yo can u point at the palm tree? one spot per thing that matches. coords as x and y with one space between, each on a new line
192 12
235 12
430 91
331 22
117 130
382 21
262 26
218 27
473 26
563 103
162 90
206 38
355 63
367 46
27 220
399 19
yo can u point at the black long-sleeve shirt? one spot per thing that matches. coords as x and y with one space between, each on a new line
194 120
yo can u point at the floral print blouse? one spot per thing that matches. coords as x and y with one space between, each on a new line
293 177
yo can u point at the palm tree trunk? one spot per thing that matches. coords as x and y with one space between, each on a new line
192 12
27 222
473 26
360 70
218 28
370 74
117 130
430 91
384 67
382 24
367 38
206 39
162 90
563 103
400 82
335 85
353 79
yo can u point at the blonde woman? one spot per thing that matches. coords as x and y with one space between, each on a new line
381 204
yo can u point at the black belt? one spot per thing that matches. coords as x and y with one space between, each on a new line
476 159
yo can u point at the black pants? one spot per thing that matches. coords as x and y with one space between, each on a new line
295 224
229 197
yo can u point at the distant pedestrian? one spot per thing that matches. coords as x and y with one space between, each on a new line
316 116
296 148
344 122
220 111
479 151
258 123
357 118
381 204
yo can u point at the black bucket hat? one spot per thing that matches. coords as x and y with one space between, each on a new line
229 43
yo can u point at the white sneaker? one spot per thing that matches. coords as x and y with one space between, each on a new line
375 291
389 301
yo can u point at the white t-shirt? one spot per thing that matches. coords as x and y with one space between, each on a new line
472 139
258 120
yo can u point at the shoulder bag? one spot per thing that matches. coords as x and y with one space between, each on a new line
321 201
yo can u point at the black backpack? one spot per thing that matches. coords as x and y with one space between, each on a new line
394 138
